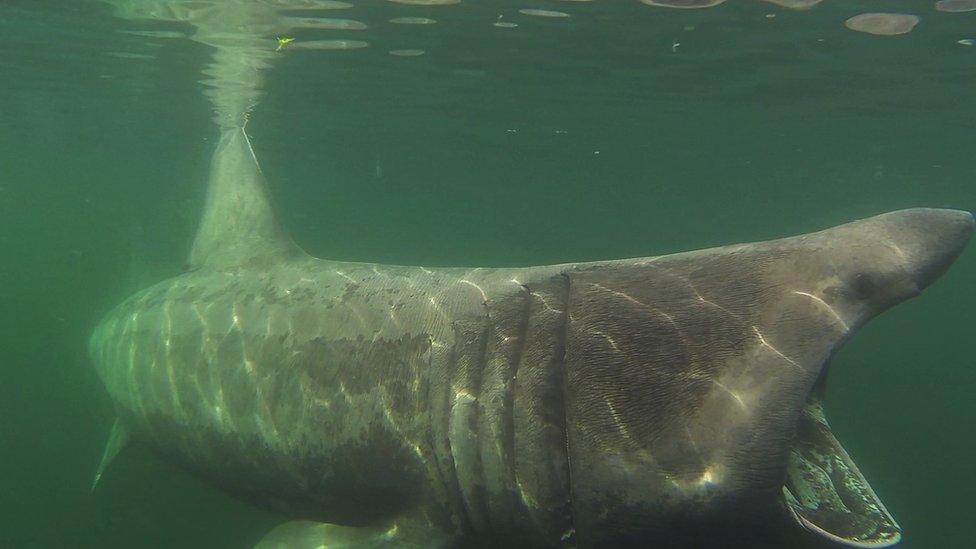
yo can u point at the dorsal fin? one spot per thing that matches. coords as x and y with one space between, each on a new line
238 227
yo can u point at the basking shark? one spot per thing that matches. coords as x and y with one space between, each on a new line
671 401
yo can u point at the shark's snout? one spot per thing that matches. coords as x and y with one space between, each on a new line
930 239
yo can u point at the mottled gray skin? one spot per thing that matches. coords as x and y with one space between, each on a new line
643 401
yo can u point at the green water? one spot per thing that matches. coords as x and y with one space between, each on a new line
583 138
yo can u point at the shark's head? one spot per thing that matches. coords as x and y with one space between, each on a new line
859 270
696 382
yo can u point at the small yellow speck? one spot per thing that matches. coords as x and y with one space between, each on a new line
283 41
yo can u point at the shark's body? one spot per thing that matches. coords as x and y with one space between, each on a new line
647 401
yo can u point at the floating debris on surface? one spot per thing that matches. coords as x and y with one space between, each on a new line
284 41
310 4
883 24
683 4
155 33
427 2
407 53
955 6
543 13
795 4
328 45
325 23
129 55
413 21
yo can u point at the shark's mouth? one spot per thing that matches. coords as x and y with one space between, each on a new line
826 492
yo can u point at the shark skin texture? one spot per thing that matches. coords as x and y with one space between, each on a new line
671 401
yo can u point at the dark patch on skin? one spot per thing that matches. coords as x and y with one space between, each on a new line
349 294
355 484
383 362
269 295
744 523
863 286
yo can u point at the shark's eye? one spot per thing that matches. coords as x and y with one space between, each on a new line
863 286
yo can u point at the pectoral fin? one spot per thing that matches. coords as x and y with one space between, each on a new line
117 440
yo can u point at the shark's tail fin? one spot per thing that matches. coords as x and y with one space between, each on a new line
238 227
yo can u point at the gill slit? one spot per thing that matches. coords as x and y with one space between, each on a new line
522 331
565 404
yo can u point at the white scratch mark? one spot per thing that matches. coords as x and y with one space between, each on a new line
823 303
437 308
393 318
636 302
691 438
617 420
702 299
609 339
735 396
546 303
527 499
344 392
766 344
388 415
898 250
416 449
484 296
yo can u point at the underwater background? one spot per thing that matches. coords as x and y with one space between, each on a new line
622 130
